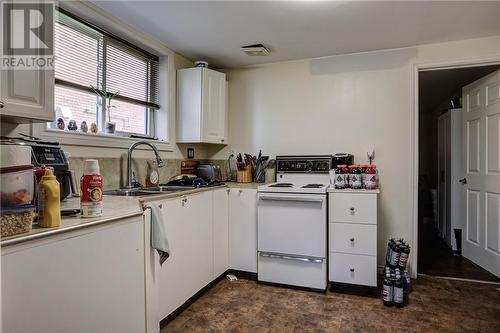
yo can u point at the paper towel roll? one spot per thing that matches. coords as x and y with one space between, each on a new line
14 155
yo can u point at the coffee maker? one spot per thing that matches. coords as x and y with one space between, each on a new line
53 156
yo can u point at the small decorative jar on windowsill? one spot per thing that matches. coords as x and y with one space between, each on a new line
110 127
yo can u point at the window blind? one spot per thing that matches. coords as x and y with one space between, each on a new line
87 57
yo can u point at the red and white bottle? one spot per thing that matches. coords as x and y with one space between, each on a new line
91 188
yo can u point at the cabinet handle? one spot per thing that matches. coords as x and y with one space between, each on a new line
1 104
352 210
352 239
228 190
221 140
241 191
352 270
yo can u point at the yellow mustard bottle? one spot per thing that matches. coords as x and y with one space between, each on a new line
49 216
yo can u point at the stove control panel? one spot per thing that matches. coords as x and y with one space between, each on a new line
303 164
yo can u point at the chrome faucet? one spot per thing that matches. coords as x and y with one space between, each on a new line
159 161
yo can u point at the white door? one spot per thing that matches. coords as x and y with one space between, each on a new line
213 106
220 231
481 155
243 229
27 95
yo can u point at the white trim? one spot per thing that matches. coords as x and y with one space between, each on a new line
416 68
459 279
92 140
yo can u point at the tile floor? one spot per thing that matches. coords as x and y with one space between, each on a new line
435 305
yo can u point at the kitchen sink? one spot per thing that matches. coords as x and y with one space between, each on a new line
133 192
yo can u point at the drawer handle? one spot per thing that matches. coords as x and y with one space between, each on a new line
352 270
352 210
352 239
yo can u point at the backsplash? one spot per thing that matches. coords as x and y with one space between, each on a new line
114 170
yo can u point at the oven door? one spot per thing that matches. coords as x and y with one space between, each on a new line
290 223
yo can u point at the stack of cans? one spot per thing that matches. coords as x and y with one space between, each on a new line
396 278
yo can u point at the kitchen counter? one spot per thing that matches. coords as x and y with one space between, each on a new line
332 189
115 208
243 185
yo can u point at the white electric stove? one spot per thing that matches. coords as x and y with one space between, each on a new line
292 223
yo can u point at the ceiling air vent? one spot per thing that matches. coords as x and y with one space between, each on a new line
255 50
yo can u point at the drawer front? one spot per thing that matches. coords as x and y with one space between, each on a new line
353 238
353 269
353 208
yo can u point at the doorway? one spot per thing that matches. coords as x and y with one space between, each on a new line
440 165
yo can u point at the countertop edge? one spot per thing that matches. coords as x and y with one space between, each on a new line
52 232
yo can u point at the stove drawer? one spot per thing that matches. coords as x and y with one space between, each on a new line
292 270
353 269
353 208
353 238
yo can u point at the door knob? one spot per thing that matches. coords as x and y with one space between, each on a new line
463 181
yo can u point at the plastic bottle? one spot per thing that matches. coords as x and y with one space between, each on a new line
91 188
49 204
340 177
370 177
152 177
398 292
355 177
406 282
388 290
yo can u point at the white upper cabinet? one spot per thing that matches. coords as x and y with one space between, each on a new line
27 95
201 105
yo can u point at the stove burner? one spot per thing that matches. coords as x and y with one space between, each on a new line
313 186
281 185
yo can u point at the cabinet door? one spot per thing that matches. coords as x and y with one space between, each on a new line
198 244
85 281
173 291
189 268
243 229
213 106
27 95
221 231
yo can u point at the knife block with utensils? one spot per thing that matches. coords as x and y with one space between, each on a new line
246 175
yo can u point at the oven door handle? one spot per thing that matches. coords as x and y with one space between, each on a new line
299 199
285 257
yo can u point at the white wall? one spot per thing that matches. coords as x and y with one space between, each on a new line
342 104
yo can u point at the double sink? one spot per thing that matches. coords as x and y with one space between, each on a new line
141 191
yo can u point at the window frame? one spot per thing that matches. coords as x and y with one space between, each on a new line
107 39
164 118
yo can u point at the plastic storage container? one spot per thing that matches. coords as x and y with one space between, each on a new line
16 220
17 185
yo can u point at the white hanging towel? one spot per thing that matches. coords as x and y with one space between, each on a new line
159 240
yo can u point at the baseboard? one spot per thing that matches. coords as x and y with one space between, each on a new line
243 274
288 286
191 300
358 290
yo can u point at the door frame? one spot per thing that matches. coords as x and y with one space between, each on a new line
414 129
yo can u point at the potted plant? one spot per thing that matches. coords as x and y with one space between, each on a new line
107 97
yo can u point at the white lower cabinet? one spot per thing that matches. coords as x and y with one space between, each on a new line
91 280
243 229
189 268
352 241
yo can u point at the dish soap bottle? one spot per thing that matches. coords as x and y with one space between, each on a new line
152 178
49 204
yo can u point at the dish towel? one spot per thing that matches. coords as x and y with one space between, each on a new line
159 240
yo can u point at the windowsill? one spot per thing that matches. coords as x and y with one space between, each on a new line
75 138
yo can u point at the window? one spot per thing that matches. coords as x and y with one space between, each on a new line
87 57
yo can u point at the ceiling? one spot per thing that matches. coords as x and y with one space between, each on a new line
436 87
215 30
